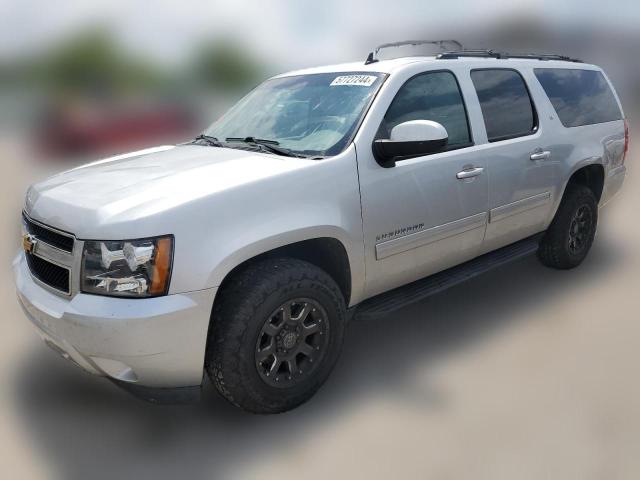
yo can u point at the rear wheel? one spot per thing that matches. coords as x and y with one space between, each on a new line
277 332
571 233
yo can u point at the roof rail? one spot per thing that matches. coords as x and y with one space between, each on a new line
442 44
503 55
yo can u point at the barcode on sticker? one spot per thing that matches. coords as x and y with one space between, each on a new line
357 80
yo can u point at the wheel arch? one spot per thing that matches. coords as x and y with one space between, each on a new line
326 252
590 173
590 176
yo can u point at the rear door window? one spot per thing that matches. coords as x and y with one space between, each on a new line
506 105
580 97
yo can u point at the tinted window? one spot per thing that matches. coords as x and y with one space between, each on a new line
580 97
506 106
430 96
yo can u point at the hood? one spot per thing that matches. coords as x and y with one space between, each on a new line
138 185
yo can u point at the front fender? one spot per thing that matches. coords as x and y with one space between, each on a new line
320 200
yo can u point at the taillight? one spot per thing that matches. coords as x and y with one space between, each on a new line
626 140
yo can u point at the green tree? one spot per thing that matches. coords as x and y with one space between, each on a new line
226 66
92 63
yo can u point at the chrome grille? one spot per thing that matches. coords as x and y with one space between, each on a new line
50 258
49 273
55 238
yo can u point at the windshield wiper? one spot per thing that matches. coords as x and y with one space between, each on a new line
208 139
260 141
270 146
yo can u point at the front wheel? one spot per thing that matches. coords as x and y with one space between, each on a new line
571 233
277 332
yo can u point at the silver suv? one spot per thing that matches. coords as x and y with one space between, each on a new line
323 194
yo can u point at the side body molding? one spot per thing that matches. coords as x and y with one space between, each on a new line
430 235
517 207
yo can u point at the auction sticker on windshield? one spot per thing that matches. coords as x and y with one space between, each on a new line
354 80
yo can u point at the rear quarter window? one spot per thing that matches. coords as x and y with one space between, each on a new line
579 97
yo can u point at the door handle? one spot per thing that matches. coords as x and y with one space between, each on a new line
469 172
540 155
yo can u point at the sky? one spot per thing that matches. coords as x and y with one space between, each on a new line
298 32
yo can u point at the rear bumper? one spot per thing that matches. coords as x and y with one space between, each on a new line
156 342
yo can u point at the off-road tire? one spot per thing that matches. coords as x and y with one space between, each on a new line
555 250
245 303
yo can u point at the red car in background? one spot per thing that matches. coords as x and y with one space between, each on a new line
78 130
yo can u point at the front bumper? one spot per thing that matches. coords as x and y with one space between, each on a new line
155 342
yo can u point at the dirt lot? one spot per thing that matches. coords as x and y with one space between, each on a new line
525 373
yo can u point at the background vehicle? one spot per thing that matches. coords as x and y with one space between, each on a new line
74 130
292 210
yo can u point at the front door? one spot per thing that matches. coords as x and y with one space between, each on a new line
427 213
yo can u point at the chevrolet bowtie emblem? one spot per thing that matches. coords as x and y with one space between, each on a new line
28 243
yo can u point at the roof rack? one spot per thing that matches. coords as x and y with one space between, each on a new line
442 44
502 55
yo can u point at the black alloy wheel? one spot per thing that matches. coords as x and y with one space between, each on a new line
292 342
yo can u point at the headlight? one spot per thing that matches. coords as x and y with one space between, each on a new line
131 268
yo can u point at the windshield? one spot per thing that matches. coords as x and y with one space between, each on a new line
311 115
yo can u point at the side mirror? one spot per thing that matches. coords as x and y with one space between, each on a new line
410 139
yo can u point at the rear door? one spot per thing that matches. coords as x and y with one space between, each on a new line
523 166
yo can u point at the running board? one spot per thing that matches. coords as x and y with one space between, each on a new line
388 302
